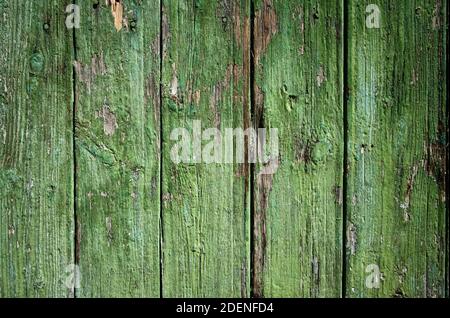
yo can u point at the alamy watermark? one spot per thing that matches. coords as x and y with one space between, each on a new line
72 280
235 145
73 18
373 280
374 16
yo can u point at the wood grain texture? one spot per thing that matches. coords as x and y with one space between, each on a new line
298 49
117 142
397 149
206 229
36 163
356 204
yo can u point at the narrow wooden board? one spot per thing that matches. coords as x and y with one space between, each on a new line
396 151
206 229
36 162
117 141
298 50
95 196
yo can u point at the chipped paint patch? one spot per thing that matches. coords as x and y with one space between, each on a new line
174 83
117 13
409 189
351 238
87 73
338 194
264 188
196 97
436 19
321 77
165 32
259 104
109 120
266 26
217 92
11 230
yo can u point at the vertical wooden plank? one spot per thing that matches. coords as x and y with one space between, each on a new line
298 90
117 143
447 153
36 167
396 150
205 206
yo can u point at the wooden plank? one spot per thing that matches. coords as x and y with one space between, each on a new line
36 168
396 150
206 65
298 48
117 141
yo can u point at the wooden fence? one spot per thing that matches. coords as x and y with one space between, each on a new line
92 203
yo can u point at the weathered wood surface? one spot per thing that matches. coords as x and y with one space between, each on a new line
298 48
117 149
36 162
397 128
87 180
205 215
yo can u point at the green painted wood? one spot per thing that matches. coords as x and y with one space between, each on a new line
117 149
298 50
206 229
396 150
36 185
117 211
